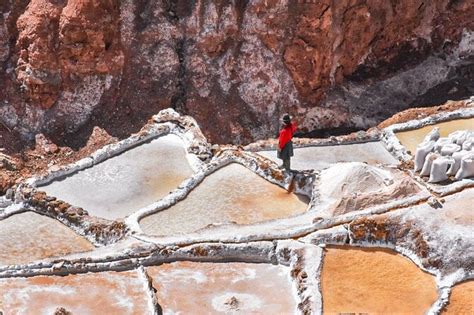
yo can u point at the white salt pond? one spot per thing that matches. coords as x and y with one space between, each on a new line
28 236
216 288
125 183
91 293
231 194
320 157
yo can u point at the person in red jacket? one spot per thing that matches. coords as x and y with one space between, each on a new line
285 146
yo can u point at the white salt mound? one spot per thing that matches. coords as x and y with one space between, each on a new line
345 178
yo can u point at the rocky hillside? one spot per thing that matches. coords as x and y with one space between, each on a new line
235 65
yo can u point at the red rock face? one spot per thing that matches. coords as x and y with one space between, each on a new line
61 42
236 66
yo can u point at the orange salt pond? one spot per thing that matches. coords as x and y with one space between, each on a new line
374 281
91 293
28 236
411 138
231 194
218 288
127 182
461 300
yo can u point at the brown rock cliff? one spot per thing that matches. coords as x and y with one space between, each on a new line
236 66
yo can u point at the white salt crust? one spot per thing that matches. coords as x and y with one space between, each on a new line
268 242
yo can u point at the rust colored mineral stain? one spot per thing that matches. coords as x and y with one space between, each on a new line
231 194
411 138
461 300
28 236
216 288
374 281
91 293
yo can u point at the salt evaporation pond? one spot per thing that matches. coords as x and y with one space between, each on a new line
461 299
411 138
457 210
374 281
125 183
319 157
28 236
231 194
216 288
91 293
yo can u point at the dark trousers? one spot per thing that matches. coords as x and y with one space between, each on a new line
287 164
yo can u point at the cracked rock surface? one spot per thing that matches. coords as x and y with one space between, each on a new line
67 66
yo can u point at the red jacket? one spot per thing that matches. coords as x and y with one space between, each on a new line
286 134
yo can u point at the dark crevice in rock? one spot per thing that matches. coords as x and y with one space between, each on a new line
409 54
176 10
178 101
326 133
458 86
158 310
241 6
143 14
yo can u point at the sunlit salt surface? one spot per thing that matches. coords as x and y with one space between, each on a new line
355 186
321 157
125 183
28 236
91 293
217 288
231 194
461 299
458 210
374 281
411 138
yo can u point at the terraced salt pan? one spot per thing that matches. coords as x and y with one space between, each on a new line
321 157
28 236
411 138
461 299
217 288
91 293
448 229
231 194
125 183
374 281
